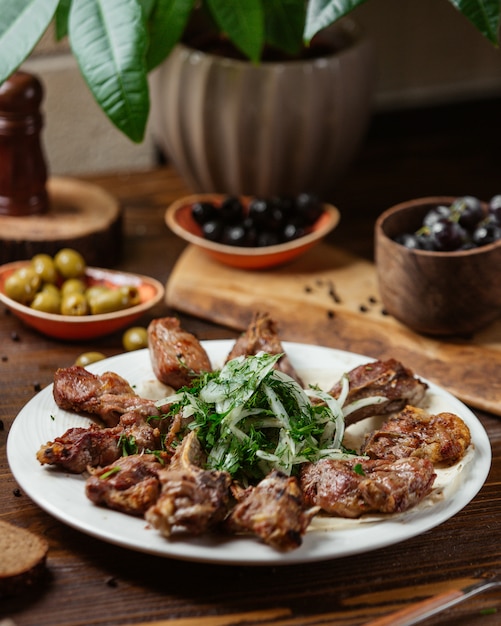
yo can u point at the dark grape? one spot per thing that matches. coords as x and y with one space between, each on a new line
434 215
495 208
447 235
468 210
486 232
463 225
409 240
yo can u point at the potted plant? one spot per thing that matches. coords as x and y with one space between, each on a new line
117 43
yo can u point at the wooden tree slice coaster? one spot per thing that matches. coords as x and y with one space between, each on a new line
81 215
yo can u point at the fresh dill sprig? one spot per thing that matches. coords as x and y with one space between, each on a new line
251 418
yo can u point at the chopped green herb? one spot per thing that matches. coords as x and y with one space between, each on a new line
127 444
358 469
110 472
252 418
490 611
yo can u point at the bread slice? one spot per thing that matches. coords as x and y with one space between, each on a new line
23 558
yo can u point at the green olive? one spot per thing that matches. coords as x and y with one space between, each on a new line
73 285
89 357
108 302
95 290
131 293
70 263
22 285
50 288
44 266
46 301
135 338
74 304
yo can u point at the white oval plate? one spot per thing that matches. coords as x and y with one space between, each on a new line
62 495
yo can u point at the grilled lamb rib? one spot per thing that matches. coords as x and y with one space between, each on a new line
107 396
351 488
381 378
80 448
262 336
442 438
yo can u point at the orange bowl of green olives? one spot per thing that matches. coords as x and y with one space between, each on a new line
73 301
249 232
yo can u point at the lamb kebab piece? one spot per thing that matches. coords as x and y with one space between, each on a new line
108 395
176 355
80 448
192 499
354 487
442 438
129 485
262 336
273 510
389 379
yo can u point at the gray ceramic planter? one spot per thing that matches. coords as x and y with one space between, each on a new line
230 126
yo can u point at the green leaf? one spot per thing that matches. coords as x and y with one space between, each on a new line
483 14
62 15
284 22
108 39
323 13
243 23
166 23
22 24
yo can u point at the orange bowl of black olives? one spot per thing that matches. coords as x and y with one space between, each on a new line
438 260
251 233
62 297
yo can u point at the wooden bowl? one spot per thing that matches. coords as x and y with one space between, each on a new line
435 293
83 327
179 219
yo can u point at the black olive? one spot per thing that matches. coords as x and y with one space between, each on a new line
234 235
309 207
212 230
231 210
267 238
293 230
203 212
258 211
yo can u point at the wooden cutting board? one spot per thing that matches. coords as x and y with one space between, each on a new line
330 297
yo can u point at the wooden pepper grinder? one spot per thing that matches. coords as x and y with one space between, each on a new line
40 213
23 173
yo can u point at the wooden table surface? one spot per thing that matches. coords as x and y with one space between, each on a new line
450 151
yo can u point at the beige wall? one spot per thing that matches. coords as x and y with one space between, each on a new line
426 53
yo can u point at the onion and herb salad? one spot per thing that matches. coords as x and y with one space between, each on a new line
252 418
